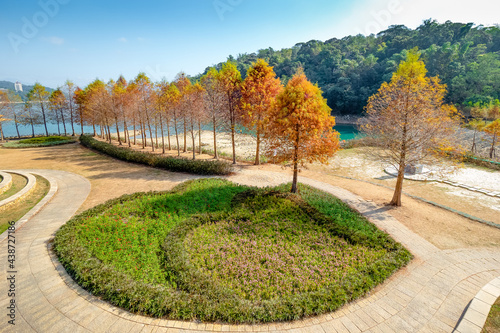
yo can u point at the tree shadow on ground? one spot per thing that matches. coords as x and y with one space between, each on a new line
101 166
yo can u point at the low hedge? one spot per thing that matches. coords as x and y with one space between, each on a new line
198 167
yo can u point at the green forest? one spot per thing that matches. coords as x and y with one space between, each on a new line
349 70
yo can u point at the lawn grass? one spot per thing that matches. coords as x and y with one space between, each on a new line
492 324
212 250
18 183
43 141
19 209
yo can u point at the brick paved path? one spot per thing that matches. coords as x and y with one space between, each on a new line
429 295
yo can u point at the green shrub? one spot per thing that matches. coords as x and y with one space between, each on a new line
160 253
45 141
199 167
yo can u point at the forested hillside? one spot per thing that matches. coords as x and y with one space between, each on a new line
351 69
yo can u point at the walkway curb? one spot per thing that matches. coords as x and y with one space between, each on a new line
416 178
24 192
6 182
468 216
477 312
33 211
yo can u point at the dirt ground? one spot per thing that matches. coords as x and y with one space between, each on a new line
111 178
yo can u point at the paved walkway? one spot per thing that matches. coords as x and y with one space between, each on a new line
429 295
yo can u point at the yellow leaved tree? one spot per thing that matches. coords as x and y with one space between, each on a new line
407 119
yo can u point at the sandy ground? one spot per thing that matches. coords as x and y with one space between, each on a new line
111 178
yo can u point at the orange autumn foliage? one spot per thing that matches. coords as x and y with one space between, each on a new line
258 92
300 127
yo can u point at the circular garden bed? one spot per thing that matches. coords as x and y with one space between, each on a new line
211 250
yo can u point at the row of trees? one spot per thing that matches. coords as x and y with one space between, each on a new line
294 121
41 108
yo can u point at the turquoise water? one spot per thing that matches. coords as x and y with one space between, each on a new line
347 131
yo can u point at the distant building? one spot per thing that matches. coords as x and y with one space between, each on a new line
18 86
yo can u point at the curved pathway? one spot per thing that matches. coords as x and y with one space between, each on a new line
429 295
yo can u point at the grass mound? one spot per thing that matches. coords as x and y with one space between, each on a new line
199 167
45 141
211 250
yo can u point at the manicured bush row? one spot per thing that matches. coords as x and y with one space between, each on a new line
198 167
190 294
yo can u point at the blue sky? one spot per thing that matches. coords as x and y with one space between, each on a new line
50 41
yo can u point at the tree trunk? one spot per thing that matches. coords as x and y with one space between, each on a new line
177 136
125 127
156 135
142 134
396 198
257 154
32 128
109 133
64 123
17 126
473 149
185 137
72 119
1 132
192 138
233 121
135 133
44 120
151 136
58 127
492 150
81 121
215 140
199 137
168 133
162 135
296 162
118 131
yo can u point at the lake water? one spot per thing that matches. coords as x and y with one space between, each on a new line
347 131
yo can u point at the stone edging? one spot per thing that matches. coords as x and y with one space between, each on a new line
25 191
52 191
6 182
477 311
470 217
493 194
